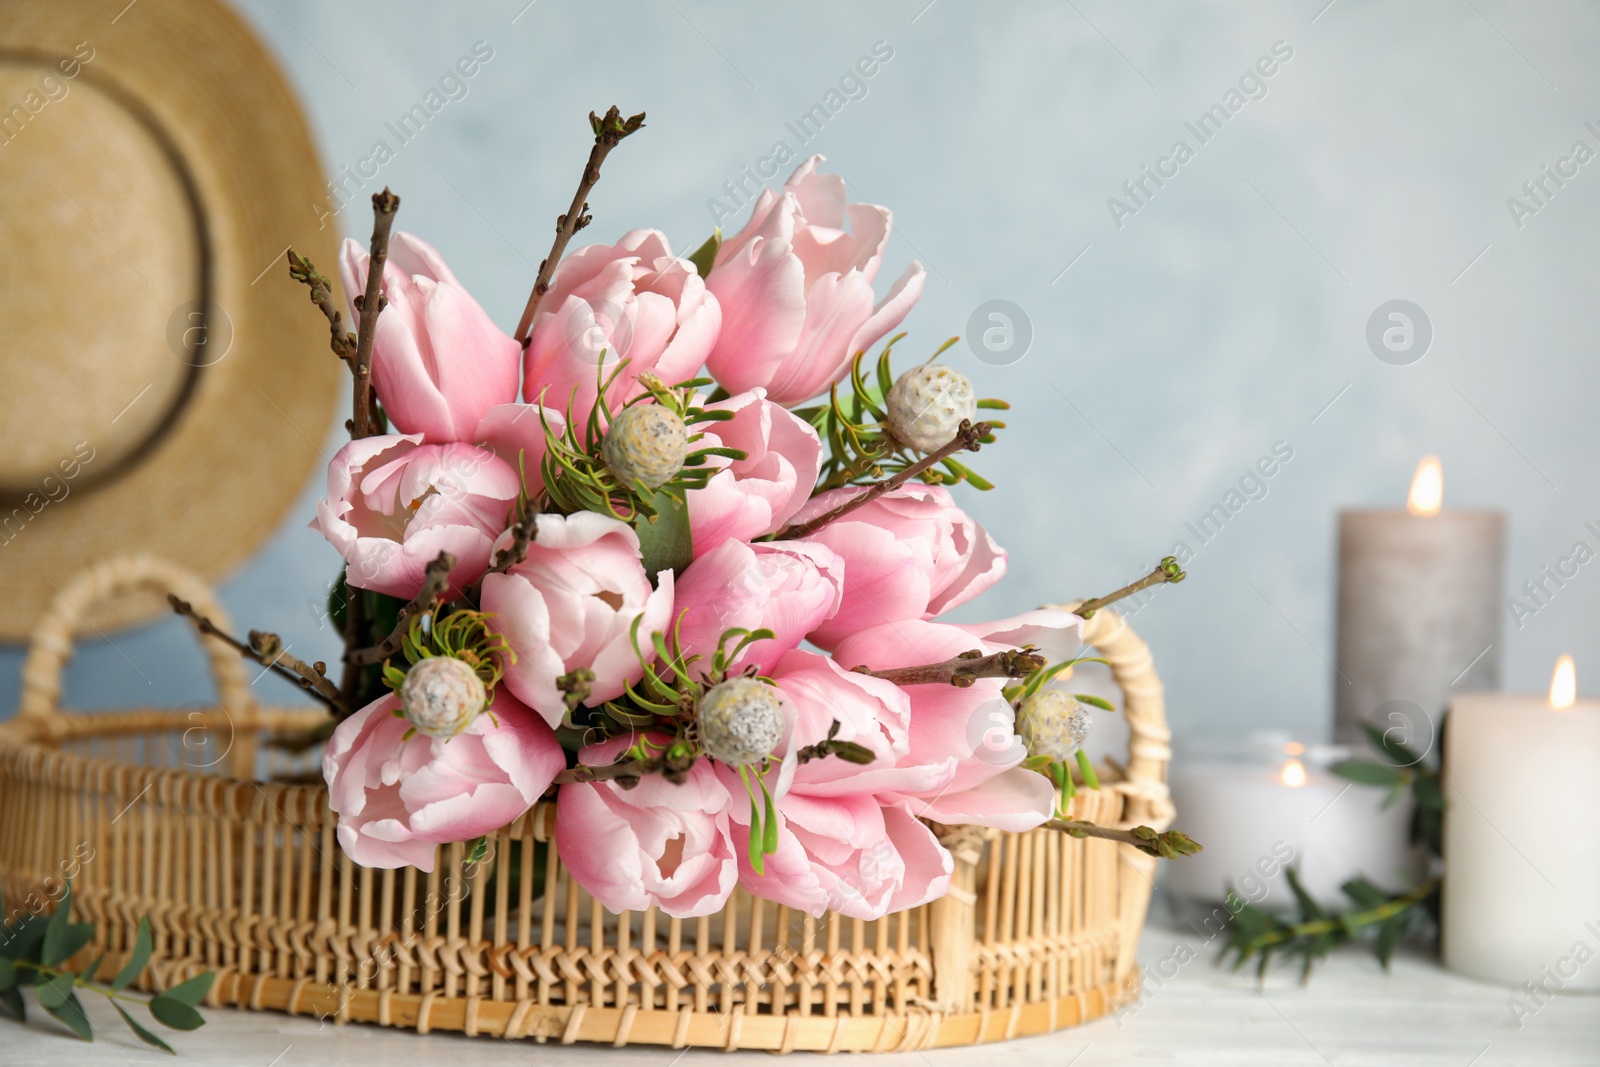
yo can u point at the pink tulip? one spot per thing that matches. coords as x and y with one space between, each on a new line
974 725
796 289
756 495
515 433
788 587
397 799
571 603
910 554
394 504
655 844
846 839
633 301
438 361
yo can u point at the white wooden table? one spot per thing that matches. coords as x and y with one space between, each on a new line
1352 1014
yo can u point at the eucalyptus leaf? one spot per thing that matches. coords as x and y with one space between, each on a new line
144 1035
666 543
71 1013
1389 935
191 992
22 940
11 1001
175 1014
1367 773
57 931
54 990
137 959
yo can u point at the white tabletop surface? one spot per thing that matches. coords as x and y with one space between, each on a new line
1352 1014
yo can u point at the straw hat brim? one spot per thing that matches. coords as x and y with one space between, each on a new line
164 386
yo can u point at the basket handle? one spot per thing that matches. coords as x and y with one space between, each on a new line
1144 703
50 644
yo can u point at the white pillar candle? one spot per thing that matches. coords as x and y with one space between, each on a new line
1521 851
1254 819
1419 612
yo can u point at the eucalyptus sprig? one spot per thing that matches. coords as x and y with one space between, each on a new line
1261 935
34 950
854 424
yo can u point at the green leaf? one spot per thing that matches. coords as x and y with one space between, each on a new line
8 974
54 990
477 848
667 543
757 857
1364 893
1389 938
1093 701
1086 768
57 931
1428 792
769 824
175 1014
706 254
72 1015
1368 773
142 944
21 940
144 1035
11 1001
1398 752
193 991
1308 904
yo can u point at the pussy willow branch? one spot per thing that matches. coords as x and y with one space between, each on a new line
965 669
435 579
608 132
370 305
1166 571
267 650
1169 844
626 769
967 438
342 341
523 531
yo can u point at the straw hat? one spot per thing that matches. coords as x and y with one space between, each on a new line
164 386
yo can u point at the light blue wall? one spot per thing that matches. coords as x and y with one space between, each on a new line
1220 318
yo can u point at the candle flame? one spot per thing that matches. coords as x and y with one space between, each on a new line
1294 774
1427 488
1294 748
1564 684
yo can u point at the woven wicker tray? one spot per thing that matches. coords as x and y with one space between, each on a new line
196 818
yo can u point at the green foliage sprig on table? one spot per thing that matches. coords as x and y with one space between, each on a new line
34 950
1375 915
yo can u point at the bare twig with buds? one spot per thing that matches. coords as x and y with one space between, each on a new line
1168 845
435 579
1166 571
965 669
968 438
608 132
267 649
369 305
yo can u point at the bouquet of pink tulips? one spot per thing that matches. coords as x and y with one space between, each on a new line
677 554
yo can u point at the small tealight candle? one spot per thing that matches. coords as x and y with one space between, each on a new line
1283 808
1522 856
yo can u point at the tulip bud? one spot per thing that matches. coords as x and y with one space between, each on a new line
1053 724
646 443
927 405
741 721
442 695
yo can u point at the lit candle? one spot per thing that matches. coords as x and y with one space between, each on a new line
1419 612
1283 808
1521 851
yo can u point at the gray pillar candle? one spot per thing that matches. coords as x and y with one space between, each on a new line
1419 613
